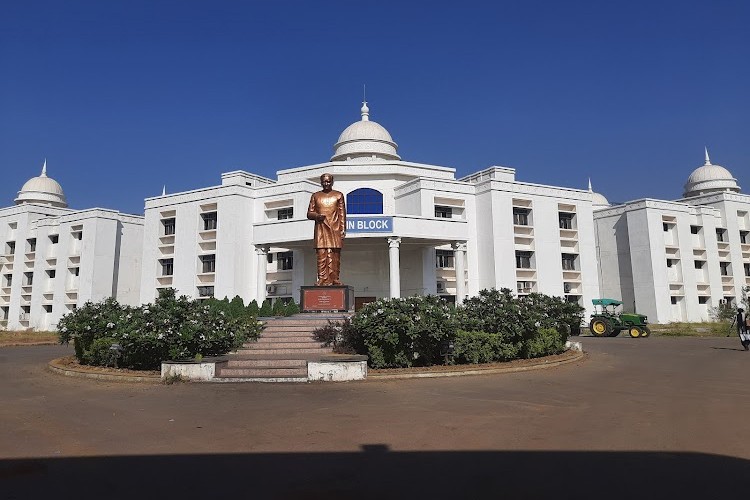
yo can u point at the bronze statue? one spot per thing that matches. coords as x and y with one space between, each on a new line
328 210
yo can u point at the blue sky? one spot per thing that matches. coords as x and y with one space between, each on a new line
123 97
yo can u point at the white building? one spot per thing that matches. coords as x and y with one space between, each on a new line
674 260
412 229
54 259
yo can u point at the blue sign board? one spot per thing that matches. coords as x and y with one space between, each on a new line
377 224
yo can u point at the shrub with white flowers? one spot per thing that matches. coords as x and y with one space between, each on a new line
170 328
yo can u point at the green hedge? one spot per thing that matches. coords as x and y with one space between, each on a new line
170 328
402 332
493 326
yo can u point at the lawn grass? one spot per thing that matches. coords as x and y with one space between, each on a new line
27 337
708 329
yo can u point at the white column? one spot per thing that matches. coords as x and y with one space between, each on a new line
260 292
298 273
459 257
393 244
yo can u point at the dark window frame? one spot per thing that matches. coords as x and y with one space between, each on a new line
364 201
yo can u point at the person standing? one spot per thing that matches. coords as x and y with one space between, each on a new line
742 328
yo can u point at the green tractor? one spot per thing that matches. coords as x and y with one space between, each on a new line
607 322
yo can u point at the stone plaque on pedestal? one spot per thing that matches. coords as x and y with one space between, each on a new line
327 298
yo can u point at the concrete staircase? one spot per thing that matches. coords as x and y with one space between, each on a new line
281 353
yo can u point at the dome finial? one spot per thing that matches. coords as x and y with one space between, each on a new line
164 190
44 169
365 110
708 160
590 190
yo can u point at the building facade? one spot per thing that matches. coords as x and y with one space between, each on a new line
54 259
412 228
677 260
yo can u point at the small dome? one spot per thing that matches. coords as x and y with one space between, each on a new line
365 139
710 178
42 189
598 201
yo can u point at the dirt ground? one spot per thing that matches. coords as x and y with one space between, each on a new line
646 418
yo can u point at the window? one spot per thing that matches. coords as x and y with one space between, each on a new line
523 259
364 201
695 229
8 280
524 286
167 267
673 300
75 271
703 299
51 273
444 259
269 258
724 266
32 244
670 262
665 226
208 263
569 262
285 213
284 261
443 212
720 234
743 237
47 308
747 269
205 291
169 226
28 279
209 221
54 238
78 235
566 220
10 248
521 216
699 264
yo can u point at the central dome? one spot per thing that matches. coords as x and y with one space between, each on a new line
365 139
710 178
42 189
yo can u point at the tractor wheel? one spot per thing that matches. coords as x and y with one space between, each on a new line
600 327
615 332
635 331
646 332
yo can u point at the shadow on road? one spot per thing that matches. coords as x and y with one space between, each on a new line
377 473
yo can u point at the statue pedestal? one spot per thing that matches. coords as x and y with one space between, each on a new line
327 298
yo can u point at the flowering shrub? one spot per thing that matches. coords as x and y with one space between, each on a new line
493 326
482 347
170 328
339 335
522 324
402 332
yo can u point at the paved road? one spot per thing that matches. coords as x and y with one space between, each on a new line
646 417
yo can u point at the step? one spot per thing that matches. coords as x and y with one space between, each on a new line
263 372
281 345
305 350
292 322
230 380
266 363
288 340
290 333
